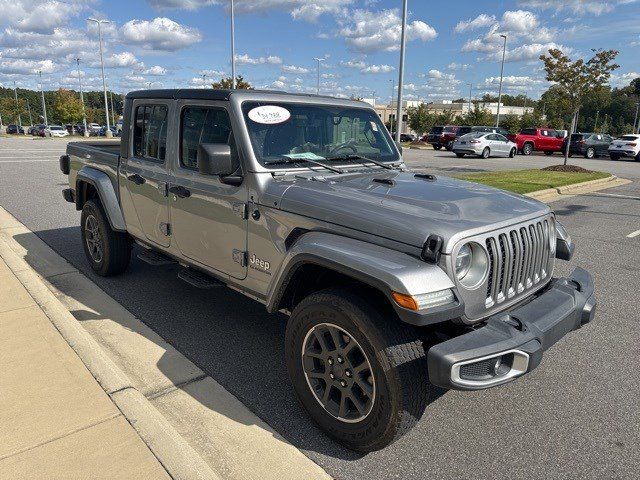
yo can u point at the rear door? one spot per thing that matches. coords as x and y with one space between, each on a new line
208 217
145 173
502 141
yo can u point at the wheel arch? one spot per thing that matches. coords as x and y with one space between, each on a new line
93 183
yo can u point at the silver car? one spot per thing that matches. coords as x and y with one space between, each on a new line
485 145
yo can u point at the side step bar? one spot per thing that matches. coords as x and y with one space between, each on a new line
198 280
155 258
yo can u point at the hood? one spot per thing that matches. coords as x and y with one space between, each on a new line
402 207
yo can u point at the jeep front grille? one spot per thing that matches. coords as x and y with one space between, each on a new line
519 259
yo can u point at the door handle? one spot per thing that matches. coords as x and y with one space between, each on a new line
180 191
137 179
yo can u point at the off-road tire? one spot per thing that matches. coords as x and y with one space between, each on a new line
116 246
486 153
527 149
590 153
513 152
397 358
460 155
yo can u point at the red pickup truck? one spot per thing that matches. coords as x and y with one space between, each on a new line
546 140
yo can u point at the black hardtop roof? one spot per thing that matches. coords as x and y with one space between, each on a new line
210 94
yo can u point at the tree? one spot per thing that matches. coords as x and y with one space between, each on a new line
67 107
12 111
420 120
478 116
226 83
576 80
511 122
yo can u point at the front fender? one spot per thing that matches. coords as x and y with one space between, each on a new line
382 268
106 192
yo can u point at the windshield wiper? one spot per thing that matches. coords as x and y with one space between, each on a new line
360 157
285 159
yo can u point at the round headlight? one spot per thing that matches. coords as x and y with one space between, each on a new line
463 261
471 265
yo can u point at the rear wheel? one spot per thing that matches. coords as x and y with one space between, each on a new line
459 155
437 147
590 153
359 373
527 149
513 152
108 251
614 156
485 153
449 146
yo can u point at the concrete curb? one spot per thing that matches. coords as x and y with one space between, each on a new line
178 458
552 194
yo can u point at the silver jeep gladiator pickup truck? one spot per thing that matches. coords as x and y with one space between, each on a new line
395 282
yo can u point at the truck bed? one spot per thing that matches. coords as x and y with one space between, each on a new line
80 149
102 156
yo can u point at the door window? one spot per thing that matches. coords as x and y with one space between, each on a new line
202 125
500 137
150 132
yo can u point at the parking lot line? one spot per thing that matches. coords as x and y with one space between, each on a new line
634 234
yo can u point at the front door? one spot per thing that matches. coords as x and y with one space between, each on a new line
208 217
145 173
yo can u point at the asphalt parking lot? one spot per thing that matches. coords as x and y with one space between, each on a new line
576 416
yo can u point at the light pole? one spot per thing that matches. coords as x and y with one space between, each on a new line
15 93
504 50
318 60
113 113
85 133
403 41
470 88
29 109
233 47
635 120
44 105
108 133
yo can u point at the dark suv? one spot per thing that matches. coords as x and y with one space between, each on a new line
589 144
15 129
442 136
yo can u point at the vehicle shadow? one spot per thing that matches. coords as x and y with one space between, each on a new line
227 335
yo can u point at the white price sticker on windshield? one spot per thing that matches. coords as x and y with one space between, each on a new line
269 114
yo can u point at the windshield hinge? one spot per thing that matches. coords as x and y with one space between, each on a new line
240 257
240 209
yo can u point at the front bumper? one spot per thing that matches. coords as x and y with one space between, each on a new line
511 343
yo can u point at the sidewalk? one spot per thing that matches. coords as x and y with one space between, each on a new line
56 421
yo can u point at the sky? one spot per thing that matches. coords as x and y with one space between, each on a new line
186 43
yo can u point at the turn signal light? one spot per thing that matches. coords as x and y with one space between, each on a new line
406 301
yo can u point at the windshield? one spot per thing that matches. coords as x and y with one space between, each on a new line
55 128
278 130
469 136
436 130
629 137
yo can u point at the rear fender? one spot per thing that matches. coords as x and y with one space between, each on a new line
108 198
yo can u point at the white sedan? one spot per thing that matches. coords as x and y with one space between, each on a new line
485 145
56 131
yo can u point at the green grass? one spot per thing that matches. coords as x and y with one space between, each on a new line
525 181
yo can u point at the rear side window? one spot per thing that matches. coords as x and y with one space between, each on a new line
435 130
150 132
528 131
201 125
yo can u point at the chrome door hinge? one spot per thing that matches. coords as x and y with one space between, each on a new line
240 257
163 188
241 210
165 228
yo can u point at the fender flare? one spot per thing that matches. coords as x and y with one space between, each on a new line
106 193
382 268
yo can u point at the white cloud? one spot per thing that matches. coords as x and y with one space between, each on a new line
25 67
458 66
212 73
368 31
61 45
529 51
245 59
622 79
378 69
37 16
119 60
578 7
482 20
515 83
295 69
518 21
160 34
359 64
155 71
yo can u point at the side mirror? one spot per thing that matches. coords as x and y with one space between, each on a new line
216 159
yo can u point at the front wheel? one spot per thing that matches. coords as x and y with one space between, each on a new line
590 153
614 156
108 251
459 155
449 146
485 153
359 373
513 152
437 147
